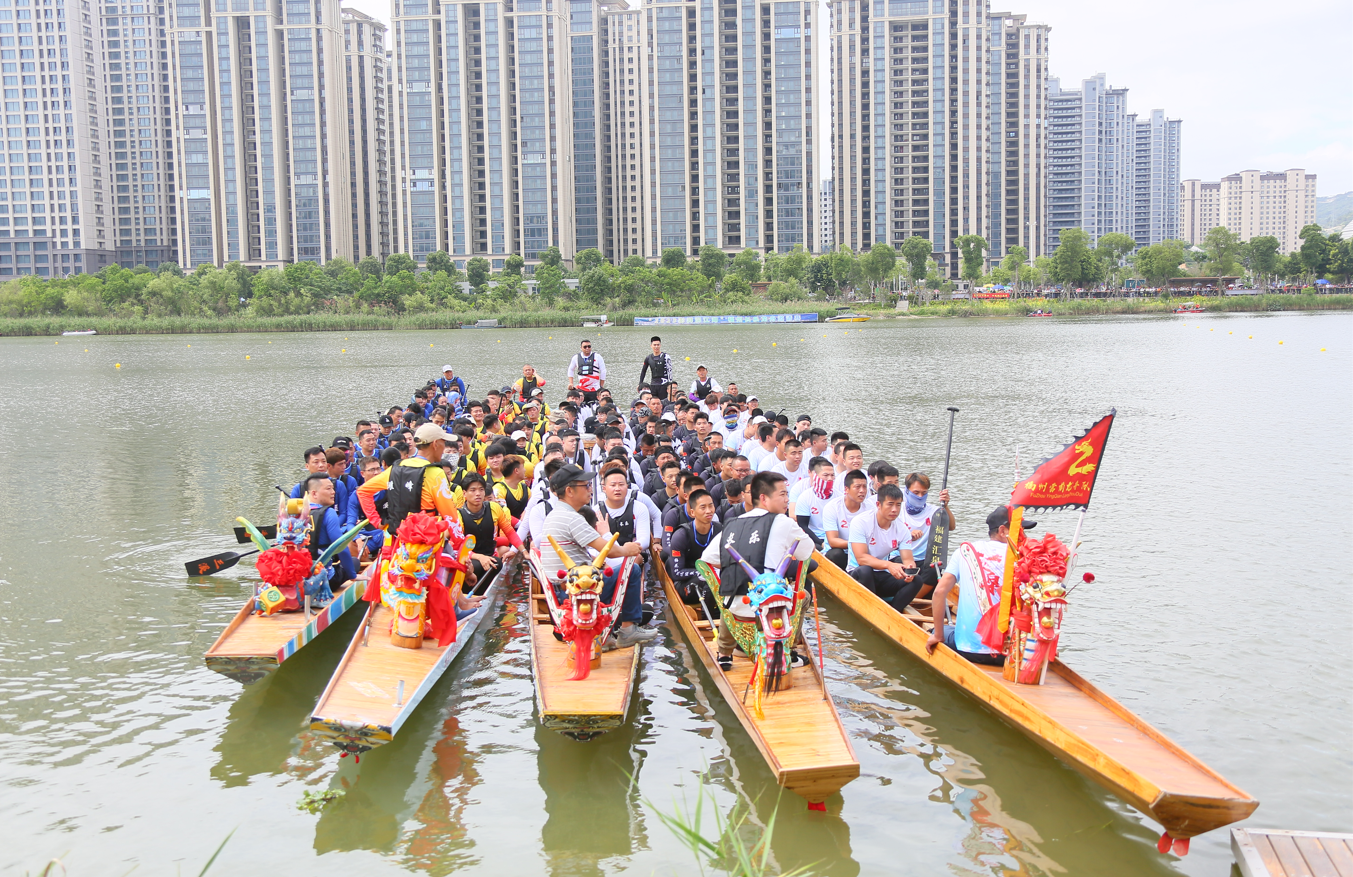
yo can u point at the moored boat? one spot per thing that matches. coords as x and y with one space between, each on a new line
82 332
379 684
1190 308
847 318
586 708
253 645
1074 720
1039 313
798 731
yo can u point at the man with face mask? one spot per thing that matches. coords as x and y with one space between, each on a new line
917 516
730 427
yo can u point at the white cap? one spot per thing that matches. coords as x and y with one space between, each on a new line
758 419
669 417
446 368
518 435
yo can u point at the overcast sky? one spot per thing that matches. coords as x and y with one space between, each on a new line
1261 85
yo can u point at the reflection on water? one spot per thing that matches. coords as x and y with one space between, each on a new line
121 748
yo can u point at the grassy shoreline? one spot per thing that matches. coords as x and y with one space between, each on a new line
541 319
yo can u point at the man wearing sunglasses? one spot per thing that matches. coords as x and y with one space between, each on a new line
587 372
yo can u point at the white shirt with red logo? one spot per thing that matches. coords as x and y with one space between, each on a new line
881 542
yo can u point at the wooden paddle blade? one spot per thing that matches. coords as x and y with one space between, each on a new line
242 535
937 549
216 563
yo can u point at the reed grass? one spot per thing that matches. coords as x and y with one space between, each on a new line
1099 306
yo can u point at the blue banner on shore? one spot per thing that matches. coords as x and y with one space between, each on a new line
727 318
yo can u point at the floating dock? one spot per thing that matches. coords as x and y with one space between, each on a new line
1270 852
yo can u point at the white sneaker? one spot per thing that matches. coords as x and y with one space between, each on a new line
633 636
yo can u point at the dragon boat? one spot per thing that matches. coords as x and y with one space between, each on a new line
585 697
277 620
1065 714
410 635
787 712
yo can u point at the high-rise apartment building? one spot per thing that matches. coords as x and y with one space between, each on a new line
364 60
1155 200
1108 170
911 102
262 131
1017 196
55 214
826 223
712 124
589 89
1251 204
485 162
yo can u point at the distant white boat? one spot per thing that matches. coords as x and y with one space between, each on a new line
85 332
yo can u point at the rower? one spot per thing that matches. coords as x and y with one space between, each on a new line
449 383
763 537
512 490
875 537
485 521
703 384
678 510
326 528
976 568
849 458
588 369
572 489
811 501
688 543
526 385
840 512
413 484
738 467
792 466
917 517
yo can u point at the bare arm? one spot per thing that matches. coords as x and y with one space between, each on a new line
864 558
938 601
834 539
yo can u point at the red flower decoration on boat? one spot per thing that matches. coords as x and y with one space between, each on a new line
1046 556
422 529
284 566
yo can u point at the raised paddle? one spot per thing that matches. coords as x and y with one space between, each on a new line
242 535
217 562
937 550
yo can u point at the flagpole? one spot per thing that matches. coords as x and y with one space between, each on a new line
1075 548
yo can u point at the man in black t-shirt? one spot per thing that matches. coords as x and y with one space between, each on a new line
657 368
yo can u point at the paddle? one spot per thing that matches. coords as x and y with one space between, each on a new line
215 563
937 552
242 535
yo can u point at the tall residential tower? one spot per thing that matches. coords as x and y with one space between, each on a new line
368 133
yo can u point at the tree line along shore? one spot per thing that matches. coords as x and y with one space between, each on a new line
398 294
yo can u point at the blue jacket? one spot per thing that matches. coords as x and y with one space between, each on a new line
331 530
342 493
455 383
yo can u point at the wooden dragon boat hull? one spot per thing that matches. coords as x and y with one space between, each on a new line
583 709
252 646
378 685
800 734
1072 719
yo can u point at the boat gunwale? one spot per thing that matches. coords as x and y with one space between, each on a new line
750 725
1072 749
278 656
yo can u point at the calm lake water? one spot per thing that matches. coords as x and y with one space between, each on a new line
1221 535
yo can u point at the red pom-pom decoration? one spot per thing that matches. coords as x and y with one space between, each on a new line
422 529
560 573
747 600
1088 577
283 567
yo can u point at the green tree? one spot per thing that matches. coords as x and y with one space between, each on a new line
633 263
1112 249
782 291
820 276
550 256
1261 255
747 265
1341 260
370 266
1074 263
878 265
477 272
550 284
1159 262
713 262
397 262
169 268
916 252
596 285
587 259
1043 269
1014 262
1315 250
439 262
770 267
513 265
674 257
1223 248
971 247
794 264
736 289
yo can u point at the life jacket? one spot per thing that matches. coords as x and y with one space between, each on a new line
528 386
404 496
622 524
516 502
314 544
588 373
703 389
689 558
749 536
481 528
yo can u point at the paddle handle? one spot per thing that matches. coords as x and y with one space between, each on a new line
948 447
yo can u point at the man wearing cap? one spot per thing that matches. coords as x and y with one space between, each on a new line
703 384
572 489
587 372
413 484
976 568
449 383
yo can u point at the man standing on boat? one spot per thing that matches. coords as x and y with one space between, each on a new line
703 384
977 568
658 368
414 484
572 489
762 536
449 383
588 370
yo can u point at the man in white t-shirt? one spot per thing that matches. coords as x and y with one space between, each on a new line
841 512
976 568
760 443
874 539
778 452
852 458
792 467
810 499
